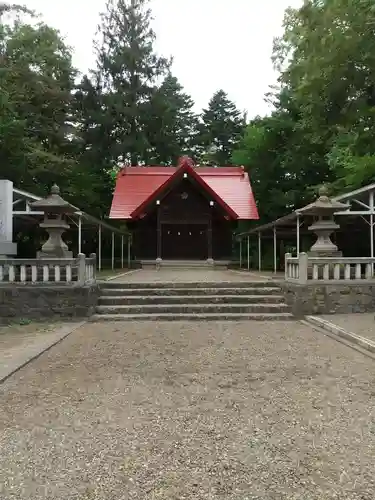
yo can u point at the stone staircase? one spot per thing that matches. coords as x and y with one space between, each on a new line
234 301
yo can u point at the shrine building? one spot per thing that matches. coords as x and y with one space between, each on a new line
186 212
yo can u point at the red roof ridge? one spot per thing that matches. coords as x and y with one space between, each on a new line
161 169
186 164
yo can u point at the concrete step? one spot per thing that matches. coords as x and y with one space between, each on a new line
195 317
193 309
182 285
191 299
168 292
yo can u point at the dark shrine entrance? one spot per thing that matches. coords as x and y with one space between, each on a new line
183 223
184 241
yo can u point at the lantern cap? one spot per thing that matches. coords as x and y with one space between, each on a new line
323 205
54 203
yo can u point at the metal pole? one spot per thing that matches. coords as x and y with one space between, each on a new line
274 250
372 223
100 246
240 253
372 228
113 251
122 251
259 251
80 234
298 236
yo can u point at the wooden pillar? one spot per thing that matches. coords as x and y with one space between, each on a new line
158 235
274 250
248 253
259 251
122 251
129 251
113 251
209 238
100 247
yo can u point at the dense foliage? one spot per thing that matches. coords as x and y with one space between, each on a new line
59 126
322 126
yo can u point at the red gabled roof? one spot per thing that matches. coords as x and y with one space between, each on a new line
228 186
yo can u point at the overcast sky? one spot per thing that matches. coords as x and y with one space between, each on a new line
215 43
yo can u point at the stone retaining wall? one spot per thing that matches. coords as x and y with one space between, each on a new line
36 302
329 298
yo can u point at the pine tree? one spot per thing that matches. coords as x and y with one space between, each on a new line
128 71
172 126
221 128
93 148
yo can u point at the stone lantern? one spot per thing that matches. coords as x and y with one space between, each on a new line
323 210
55 209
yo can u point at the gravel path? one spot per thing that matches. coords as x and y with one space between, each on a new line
21 343
272 411
362 324
187 276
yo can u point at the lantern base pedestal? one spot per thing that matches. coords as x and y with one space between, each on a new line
325 253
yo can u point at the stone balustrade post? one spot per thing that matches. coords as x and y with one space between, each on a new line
81 269
93 257
286 257
303 266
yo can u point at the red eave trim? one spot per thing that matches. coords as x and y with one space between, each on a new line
185 167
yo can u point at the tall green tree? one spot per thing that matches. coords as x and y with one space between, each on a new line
327 58
128 73
263 145
172 123
221 128
36 82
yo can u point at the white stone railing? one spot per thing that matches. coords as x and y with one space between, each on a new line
291 268
304 269
81 271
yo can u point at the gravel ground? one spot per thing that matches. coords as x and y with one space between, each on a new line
362 323
190 411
